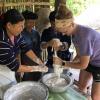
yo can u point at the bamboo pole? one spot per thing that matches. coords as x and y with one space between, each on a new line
8 4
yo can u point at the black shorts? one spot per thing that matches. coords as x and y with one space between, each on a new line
95 72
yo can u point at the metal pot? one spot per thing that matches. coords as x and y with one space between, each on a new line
57 89
27 91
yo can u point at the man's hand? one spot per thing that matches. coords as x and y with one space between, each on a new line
44 45
55 43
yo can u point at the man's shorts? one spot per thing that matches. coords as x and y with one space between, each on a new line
95 72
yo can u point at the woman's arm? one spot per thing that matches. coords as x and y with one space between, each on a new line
24 68
79 62
77 57
82 64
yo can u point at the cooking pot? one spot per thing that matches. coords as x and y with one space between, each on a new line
27 91
54 88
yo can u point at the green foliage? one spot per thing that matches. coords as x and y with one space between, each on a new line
77 6
52 2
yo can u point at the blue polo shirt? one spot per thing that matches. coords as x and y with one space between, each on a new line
33 39
9 51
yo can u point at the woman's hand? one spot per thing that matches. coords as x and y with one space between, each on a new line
57 65
57 61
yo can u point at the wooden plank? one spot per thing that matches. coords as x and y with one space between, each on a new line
1 4
41 3
24 4
18 4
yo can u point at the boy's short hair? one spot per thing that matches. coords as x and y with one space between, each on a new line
29 15
52 16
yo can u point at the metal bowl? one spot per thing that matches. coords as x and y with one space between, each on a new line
27 91
57 89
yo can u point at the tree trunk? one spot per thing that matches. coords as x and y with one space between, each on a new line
57 2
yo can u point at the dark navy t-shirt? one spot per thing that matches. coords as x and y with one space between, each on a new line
49 34
33 39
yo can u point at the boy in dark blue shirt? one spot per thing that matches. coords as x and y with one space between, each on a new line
46 42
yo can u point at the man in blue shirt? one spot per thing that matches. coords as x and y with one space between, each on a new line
32 37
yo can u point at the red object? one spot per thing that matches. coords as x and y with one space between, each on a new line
2 16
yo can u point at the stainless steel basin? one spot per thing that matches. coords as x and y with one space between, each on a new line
57 89
27 91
